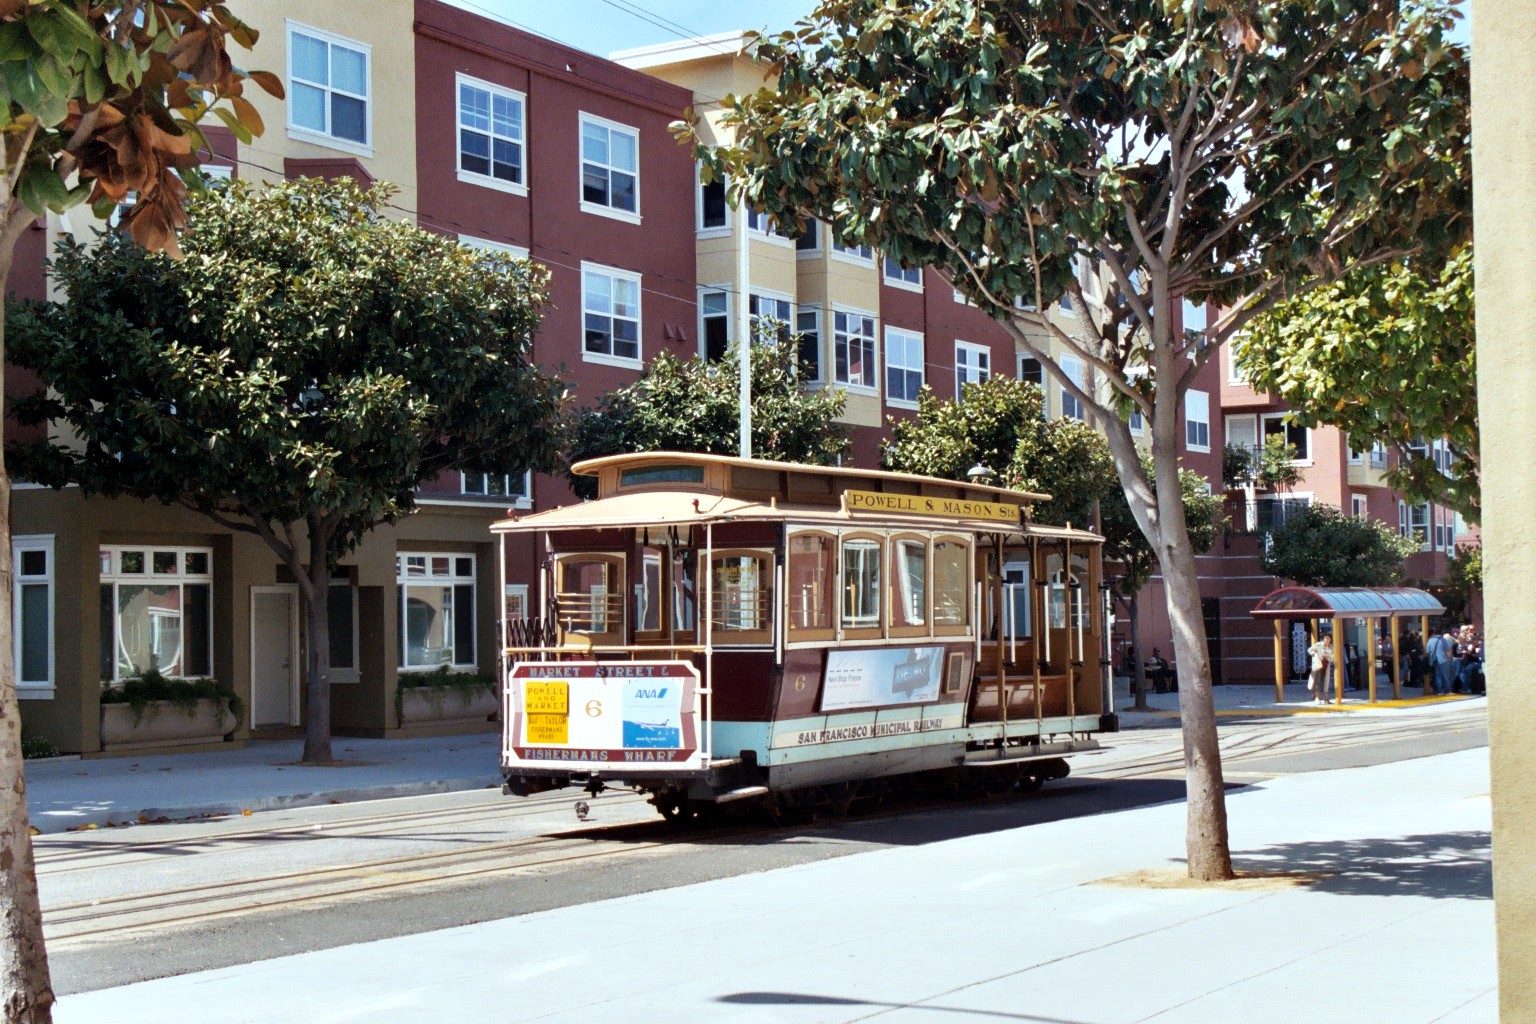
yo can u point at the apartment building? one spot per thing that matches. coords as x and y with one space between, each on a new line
505 140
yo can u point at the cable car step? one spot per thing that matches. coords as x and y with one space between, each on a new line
988 758
744 793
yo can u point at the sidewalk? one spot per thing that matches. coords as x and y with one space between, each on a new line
1242 700
263 776
1048 924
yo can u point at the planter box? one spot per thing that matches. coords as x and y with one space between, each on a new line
446 705
164 724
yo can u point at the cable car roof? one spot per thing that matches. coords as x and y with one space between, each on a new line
1347 603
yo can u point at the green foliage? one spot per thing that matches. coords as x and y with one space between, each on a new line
35 747
440 683
1236 464
1463 579
148 689
1388 355
693 406
307 361
1322 546
1125 543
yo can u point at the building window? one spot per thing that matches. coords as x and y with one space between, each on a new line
1358 506
341 614
156 612
898 276
903 367
809 242
770 318
610 168
1072 407
514 602
1197 421
714 323
973 365
1031 371
763 224
1418 524
1378 455
437 609
853 343
808 330
32 615
491 135
1297 436
714 212
1235 373
501 248
328 86
610 306
517 486
858 253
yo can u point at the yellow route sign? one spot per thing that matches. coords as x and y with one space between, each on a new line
918 505
549 729
546 698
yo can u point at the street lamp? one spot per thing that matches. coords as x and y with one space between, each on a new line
979 474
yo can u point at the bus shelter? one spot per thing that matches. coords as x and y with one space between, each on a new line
1340 605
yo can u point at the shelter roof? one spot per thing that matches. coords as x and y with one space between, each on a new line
1347 603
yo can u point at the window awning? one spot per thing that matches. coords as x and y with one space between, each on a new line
1347 603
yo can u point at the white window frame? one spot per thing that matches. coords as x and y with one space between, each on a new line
519 500
1191 420
781 299
814 313
1072 407
762 227
1426 539
520 252
1234 375
115 576
33 689
901 281
517 590
858 255
906 338
303 134
963 369
405 579
729 315
1402 518
517 188
701 229
816 230
873 387
1359 506
602 209
608 359
1305 459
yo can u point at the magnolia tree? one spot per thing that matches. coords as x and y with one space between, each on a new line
1127 156
99 100
297 376
1321 546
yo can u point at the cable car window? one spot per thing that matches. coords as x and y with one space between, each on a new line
589 595
662 475
909 583
861 584
1016 587
648 594
683 591
742 591
951 585
811 582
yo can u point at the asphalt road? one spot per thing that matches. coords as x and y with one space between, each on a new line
127 906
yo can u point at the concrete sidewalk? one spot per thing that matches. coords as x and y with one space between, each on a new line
69 793
1259 700
1052 923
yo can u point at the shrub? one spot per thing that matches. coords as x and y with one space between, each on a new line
150 688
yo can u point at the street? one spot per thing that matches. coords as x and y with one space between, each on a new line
133 904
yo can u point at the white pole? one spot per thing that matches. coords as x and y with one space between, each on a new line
744 325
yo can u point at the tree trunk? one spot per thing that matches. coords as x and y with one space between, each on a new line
315 593
26 992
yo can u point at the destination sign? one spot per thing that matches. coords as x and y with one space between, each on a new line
918 505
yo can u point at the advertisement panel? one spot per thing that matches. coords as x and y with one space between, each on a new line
595 715
866 677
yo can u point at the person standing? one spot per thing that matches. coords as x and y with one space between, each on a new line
1321 654
1411 668
1157 669
1441 654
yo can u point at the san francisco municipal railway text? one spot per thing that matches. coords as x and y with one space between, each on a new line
864 732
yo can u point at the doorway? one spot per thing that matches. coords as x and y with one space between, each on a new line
274 657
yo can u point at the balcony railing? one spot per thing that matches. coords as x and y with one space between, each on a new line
1262 516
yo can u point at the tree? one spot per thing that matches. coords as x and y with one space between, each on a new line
694 406
100 100
1464 581
1388 355
297 376
1127 156
1320 546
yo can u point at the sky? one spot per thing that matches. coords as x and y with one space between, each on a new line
602 26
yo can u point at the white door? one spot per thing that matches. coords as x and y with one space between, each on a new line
274 657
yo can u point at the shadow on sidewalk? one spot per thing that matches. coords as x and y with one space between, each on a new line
807 999
1442 865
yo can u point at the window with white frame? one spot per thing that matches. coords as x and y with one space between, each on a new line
156 611
491 135
341 617
610 167
1379 455
770 317
503 248
898 276
1072 407
1235 373
714 323
809 242
903 367
1297 436
853 349
610 306
1442 529
1135 423
32 614
973 365
764 225
808 330
1031 371
1418 524
437 609
853 251
714 211
517 486
1358 506
514 601
328 87
1197 421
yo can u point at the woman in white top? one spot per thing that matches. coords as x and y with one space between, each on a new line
1321 654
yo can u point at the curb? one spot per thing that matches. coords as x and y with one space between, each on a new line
57 822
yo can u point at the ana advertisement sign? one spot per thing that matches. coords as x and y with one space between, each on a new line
865 677
594 715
